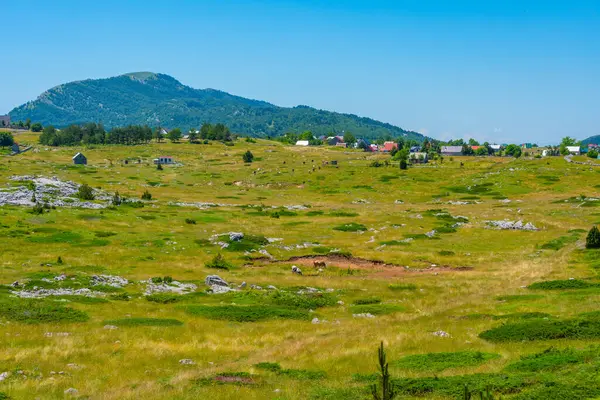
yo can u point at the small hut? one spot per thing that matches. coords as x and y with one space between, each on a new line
79 159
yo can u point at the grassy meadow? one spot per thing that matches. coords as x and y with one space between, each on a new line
430 297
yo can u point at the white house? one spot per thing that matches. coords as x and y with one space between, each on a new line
164 160
418 158
545 153
496 147
302 143
452 150
574 150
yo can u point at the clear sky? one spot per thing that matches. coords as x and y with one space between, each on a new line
497 70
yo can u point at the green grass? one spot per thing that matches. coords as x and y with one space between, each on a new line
551 359
562 285
164 298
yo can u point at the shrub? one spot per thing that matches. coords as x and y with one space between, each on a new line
388 392
37 209
159 167
116 200
437 362
370 300
120 297
144 322
544 330
593 239
248 157
377 309
246 313
190 221
38 312
163 298
269 366
549 360
305 301
562 284
85 192
146 195
218 262
403 164
397 286
351 227
303 374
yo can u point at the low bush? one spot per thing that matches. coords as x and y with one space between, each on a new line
341 213
82 299
437 362
539 329
520 297
369 300
269 366
190 221
126 322
351 227
163 298
549 360
401 286
247 243
218 262
562 284
246 313
377 309
303 374
120 297
305 301
85 192
556 391
146 195
39 312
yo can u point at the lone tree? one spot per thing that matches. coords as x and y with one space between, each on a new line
146 195
6 139
593 238
387 389
85 192
248 157
175 135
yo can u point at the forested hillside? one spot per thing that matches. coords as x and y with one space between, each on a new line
146 98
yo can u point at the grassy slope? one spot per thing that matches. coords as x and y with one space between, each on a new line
135 362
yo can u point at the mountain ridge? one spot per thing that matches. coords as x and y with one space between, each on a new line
148 98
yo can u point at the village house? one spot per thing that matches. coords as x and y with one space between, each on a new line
389 146
419 158
302 143
495 147
163 160
451 150
79 159
415 149
363 144
334 140
574 150
373 147
4 120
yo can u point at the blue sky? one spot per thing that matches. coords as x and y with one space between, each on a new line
503 71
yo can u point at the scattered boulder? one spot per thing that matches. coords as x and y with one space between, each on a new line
215 280
72 391
512 225
4 376
110 327
441 334
236 236
186 361
296 270
363 315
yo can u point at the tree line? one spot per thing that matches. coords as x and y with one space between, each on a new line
93 133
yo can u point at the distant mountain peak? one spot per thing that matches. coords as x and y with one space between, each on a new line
148 98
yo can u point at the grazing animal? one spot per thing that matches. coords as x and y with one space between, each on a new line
320 264
296 270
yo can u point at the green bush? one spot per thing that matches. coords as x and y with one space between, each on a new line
164 298
369 300
398 286
120 297
544 330
351 227
437 362
303 374
549 360
248 157
218 262
85 192
39 312
562 284
144 322
377 309
555 391
190 221
147 195
304 301
269 366
593 239
246 313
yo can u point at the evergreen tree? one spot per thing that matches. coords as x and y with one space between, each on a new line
593 238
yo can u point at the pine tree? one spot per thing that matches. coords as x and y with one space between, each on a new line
387 389
593 239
